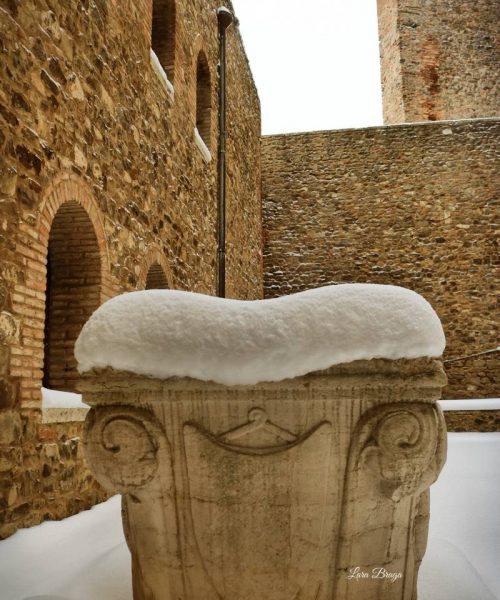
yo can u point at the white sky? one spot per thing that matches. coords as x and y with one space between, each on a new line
315 62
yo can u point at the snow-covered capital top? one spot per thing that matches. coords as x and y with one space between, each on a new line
167 333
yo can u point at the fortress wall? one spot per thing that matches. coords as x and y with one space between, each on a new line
86 122
440 59
409 205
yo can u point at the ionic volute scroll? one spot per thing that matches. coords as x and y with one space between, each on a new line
122 447
403 448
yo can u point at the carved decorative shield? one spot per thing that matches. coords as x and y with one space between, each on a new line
258 510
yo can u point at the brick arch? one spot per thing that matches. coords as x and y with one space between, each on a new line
203 97
76 274
163 33
156 278
154 259
199 50
199 45
67 188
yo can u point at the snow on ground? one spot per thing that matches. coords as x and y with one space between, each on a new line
165 333
57 399
85 557
465 522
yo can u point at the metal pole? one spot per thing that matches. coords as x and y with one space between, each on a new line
225 18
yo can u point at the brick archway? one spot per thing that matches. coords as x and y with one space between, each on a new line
76 262
156 279
29 299
203 98
155 272
68 188
163 34
72 294
201 93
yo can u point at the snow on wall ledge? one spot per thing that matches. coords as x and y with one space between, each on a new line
166 333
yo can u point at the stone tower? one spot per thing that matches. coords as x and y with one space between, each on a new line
439 59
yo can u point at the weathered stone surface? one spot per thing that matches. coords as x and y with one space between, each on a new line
472 420
45 478
8 180
131 144
405 205
290 486
10 427
100 181
84 119
440 59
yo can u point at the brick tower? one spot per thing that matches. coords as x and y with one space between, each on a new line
439 59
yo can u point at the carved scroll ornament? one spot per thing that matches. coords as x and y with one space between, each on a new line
404 447
121 446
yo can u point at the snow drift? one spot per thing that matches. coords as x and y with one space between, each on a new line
58 399
166 333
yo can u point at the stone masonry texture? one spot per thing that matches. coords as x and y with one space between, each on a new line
408 205
43 472
103 190
473 420
440 59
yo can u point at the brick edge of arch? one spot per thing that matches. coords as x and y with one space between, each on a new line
66 188
154 255
34 239
199 47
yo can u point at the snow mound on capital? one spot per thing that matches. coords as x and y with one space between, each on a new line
167 333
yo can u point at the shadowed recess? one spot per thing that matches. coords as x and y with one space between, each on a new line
73 292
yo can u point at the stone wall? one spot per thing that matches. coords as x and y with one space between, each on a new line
473 420
439 59
43 472
411 205
102 182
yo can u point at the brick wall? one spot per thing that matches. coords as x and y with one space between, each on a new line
100 179
410 205
156 278
163 30
72 293
390 62
440 59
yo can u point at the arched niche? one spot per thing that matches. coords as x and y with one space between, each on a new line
203 98
156 278
163 35
73 291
